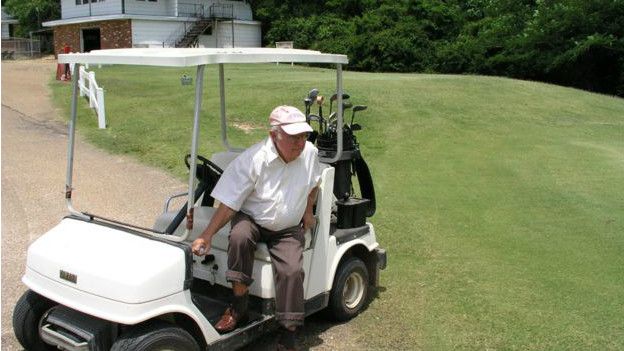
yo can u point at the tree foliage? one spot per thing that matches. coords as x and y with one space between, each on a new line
31 13
574 42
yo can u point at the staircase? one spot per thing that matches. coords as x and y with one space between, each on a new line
206 18
191 36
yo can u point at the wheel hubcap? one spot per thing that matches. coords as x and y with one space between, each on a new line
353 290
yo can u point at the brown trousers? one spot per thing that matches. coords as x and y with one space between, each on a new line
286 250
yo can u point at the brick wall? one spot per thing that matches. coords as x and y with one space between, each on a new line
113 34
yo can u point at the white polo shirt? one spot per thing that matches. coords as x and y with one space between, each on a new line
274 193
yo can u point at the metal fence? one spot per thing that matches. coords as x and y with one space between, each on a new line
225 11
14 47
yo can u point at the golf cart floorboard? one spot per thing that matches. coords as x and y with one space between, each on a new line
212 302
257 325
213 309
244 335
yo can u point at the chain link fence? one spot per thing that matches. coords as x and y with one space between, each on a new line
13 48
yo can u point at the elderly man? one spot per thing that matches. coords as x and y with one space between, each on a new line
267 193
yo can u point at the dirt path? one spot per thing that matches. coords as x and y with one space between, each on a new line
34 154
33 177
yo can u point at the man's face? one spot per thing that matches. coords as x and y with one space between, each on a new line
289 146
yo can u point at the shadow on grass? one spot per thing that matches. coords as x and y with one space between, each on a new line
317 329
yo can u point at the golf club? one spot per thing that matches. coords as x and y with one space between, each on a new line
357 108
333 98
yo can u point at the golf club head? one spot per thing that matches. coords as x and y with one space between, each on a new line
307 101
313 94
334 97
357 108
355 127
346 105
320 100
314 118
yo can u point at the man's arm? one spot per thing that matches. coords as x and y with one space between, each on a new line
222 216
308 216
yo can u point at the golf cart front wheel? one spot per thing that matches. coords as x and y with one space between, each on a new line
349 293
29 311
155 336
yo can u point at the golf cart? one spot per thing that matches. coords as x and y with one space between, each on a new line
143 289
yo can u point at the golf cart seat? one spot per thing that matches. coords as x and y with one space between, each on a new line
223 159
220 241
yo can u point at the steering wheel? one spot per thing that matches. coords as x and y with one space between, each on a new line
207 171
208 174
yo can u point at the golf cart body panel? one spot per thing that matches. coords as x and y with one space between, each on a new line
337 251
115 311
317 265
103 261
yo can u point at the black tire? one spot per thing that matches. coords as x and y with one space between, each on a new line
155 336
26 317
349 293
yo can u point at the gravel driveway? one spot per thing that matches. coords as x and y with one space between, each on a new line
34 155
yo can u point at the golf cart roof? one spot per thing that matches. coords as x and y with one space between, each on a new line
189 57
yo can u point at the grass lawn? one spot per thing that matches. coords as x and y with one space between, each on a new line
500 202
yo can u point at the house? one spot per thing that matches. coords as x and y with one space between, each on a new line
87 25
8 23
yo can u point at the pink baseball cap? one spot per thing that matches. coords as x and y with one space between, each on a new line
290 119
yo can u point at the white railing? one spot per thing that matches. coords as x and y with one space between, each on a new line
90 88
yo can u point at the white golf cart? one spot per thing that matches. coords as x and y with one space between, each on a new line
143 289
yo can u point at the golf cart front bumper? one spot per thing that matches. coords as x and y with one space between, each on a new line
71 330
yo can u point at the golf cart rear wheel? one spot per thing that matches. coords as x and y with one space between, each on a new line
155 336
29 310
350 290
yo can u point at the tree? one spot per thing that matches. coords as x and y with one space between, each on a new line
575 42
581 43
31 13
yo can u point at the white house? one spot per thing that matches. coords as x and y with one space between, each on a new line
86 25
7 25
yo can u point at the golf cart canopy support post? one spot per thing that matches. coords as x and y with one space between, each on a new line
340 117
70 144
199 85
224 138
189 57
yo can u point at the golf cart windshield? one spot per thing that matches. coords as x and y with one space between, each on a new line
199 58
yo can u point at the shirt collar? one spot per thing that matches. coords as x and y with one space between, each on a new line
271 151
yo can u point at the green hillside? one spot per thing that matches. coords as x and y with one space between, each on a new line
500 202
